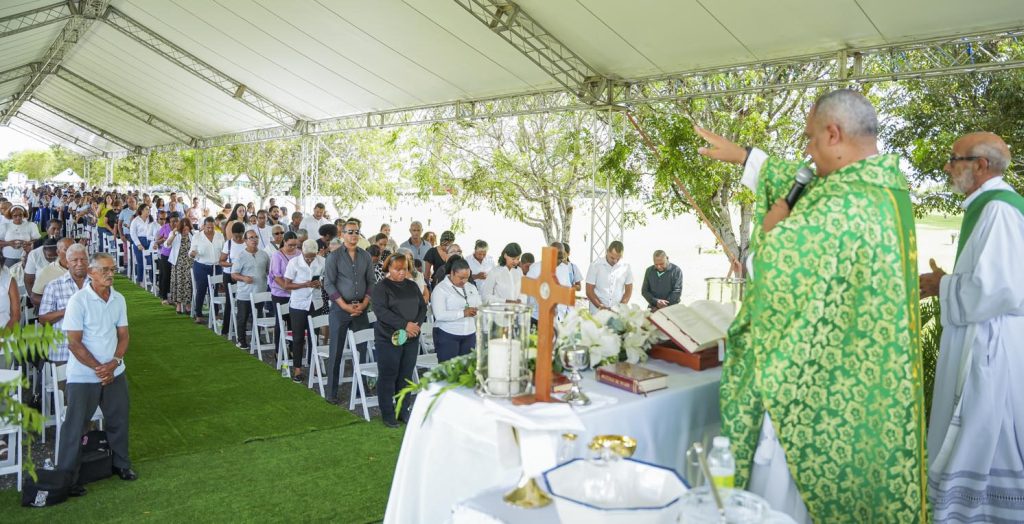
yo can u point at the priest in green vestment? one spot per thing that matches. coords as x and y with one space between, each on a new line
824 359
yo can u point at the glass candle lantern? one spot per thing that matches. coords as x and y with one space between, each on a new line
725 289
502 350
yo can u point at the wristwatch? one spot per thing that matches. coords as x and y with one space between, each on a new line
120 361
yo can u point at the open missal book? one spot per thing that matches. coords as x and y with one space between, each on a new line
697 326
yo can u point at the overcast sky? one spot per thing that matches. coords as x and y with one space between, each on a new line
11 141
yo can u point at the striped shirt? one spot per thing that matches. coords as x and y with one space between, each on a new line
55 298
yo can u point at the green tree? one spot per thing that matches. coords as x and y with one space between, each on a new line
772 121
38 165
925 117
359 165
529 168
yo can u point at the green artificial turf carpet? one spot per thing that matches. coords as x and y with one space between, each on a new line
218 436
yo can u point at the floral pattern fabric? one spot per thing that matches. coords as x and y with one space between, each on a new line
827 343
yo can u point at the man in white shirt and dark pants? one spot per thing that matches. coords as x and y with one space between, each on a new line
96 324
609 280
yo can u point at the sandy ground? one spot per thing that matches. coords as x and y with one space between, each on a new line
687 243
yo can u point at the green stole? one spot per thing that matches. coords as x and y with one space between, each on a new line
973 212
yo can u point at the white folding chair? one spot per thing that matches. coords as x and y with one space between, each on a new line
233 333
321 354
358 393
147 271
217 303
10 432
58 374
426 338
262 336
284 360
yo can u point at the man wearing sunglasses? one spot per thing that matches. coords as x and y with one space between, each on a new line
974 441
348 279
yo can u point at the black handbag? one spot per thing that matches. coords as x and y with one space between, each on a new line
96 460
51 489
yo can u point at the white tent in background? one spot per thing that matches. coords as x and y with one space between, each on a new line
67 177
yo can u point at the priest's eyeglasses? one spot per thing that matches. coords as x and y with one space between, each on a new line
954 158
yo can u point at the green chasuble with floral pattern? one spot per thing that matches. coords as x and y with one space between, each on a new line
827 343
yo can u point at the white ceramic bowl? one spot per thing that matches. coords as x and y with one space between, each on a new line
644 493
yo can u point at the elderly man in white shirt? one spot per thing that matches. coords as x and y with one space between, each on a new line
454 303
609 280
96 323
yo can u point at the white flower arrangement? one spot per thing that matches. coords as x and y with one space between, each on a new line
621 334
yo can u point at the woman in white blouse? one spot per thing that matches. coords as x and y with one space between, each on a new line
206 247
504 282
302 277
455 302
140 235
16 236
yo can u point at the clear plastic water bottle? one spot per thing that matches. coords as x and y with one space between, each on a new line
47 464
721 463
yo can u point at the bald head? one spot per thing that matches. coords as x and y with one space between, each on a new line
849 110
989 146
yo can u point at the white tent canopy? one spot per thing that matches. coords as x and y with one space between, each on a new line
68 176
145 73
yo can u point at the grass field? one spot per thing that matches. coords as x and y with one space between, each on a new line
218 436
941 222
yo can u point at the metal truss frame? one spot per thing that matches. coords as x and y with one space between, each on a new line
84 14
18 72
915 60
206 72
47 134
105 135
144 172
66 137
518 28
607 207
124 105
309 185
29 20
110 171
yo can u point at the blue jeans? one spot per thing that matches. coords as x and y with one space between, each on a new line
202 273
448 346
139 263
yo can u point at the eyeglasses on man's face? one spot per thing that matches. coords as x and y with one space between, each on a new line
351 231
954 159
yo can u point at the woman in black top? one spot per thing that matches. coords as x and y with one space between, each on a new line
399 307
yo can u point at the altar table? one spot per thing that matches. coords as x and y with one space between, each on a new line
453 455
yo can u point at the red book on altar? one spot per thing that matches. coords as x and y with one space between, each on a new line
631 377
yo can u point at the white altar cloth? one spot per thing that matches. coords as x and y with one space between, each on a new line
454 455
488 508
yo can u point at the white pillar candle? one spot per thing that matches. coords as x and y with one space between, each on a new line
503 359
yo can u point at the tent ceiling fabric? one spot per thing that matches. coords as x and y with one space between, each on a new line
319 59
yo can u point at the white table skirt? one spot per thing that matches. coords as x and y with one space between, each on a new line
489 508
454 454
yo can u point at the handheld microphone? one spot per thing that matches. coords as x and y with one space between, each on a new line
803 177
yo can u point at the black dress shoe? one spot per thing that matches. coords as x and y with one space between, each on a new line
126 473
336 401
77 490
391 423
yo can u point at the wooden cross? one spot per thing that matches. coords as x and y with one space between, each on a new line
548 293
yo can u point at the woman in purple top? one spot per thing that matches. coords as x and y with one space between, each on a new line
275 277
165 253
